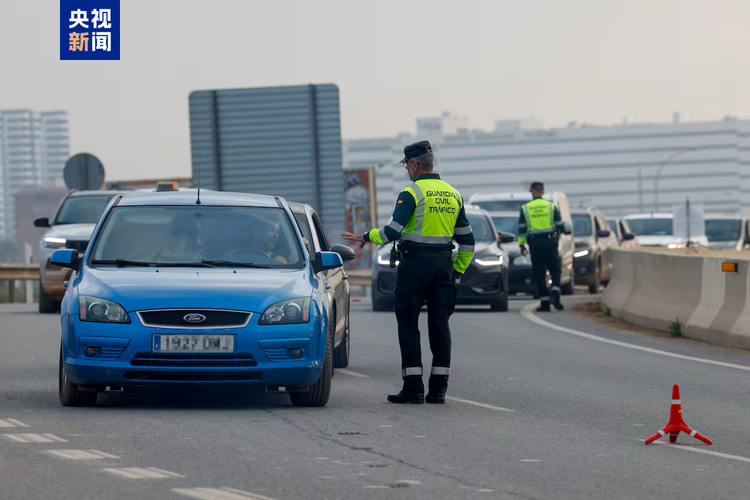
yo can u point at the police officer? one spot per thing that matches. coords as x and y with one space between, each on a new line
539 223
429 215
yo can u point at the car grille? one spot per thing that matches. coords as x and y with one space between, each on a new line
190 376
175 318
193 360
110 353
79 245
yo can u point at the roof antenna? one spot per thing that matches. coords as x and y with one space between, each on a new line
198 201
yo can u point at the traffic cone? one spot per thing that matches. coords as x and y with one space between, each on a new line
676 423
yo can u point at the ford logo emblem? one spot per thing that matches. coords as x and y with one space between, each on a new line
194 318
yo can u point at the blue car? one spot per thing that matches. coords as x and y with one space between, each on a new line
182 287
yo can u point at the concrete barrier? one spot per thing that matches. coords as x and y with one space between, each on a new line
654 289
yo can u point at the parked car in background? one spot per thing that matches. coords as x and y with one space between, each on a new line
657 229
512 202
337 281
621 230
594 242
71 227
484 282
520 274
174 291
727 231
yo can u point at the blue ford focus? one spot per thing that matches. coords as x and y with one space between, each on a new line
178 287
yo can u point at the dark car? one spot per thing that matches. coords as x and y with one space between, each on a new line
337 282
593 243
484 282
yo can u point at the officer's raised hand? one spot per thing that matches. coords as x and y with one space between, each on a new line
357 238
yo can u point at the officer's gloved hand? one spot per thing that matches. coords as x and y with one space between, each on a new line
456 278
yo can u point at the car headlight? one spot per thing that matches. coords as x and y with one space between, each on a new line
286 312
101 310
497 261
582 253
674 245
522 260
52 242
383 261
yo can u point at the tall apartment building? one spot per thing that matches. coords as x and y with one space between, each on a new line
34 147
621 169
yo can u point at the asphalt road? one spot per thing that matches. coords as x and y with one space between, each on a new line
535 412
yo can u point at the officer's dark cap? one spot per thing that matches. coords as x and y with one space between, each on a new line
537 186
416 149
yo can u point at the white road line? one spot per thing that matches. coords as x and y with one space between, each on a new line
142 473
12 422
353 374
700 450
526 313
530 460
81 454
219 494
475 403
35 438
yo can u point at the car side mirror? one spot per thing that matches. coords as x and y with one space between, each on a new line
628 236
567 227
66 257
344 251
325 260
506 237
603 233
41 222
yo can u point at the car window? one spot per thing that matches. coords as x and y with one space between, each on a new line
506 225
322 238
651 227
581 225
304 228
482 228
723 229
189 234
82 209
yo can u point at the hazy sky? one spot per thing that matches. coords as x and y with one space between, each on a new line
595 61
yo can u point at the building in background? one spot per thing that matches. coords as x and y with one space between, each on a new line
621 169
34 147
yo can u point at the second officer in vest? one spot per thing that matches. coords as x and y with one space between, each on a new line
429 215
539 223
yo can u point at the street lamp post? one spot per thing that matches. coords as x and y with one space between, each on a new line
664 164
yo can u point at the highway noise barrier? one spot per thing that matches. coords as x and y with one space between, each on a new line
676 423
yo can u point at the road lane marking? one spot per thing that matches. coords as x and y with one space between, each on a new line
142 473
35 438
219 494
475 403
353 374
530 460
526 313
81 454
699 450
12 422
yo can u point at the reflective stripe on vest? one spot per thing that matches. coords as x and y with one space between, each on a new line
437 208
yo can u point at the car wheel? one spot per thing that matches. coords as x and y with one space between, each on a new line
68 391
341 353
321 389
46 304
595 280
500 303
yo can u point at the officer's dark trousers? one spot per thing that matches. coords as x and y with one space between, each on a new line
425 276
544 256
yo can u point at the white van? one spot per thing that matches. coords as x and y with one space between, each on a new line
657 230
727 231
494 202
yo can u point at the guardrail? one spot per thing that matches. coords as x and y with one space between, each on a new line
12 272
360 277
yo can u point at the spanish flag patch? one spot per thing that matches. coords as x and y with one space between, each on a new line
399 202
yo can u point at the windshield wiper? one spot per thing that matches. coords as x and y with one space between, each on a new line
229 263
122 262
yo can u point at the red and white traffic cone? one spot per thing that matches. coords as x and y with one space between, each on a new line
676 423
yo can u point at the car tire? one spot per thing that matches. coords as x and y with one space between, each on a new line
341 353
321 390
595 280
500 304
68 391
46 304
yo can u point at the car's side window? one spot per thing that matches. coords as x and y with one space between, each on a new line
322 238
304 228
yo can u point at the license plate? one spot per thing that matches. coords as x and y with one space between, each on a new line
193 343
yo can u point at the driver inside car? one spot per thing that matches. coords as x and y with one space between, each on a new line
261 239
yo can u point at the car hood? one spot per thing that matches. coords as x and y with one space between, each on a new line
660 240
75 232
157 288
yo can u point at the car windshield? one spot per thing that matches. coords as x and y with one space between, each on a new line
506 225
581 225
200 236
82 209
481 227
723 229
651 227
501 205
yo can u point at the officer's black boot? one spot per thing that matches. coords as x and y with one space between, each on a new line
543 307
412 393
437 385
554 298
